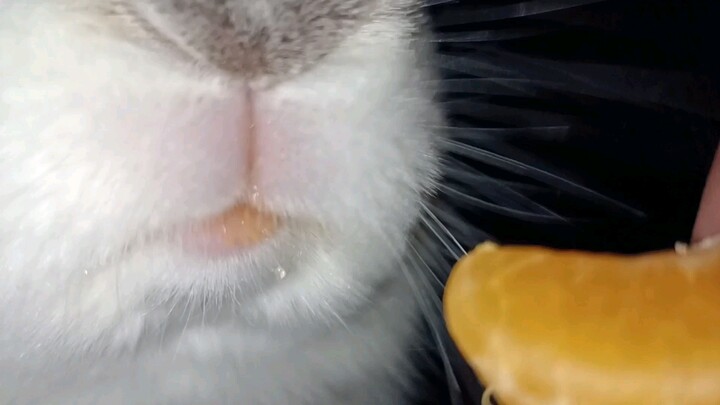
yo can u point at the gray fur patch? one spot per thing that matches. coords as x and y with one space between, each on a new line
256 37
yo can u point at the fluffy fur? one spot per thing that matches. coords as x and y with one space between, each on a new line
114 138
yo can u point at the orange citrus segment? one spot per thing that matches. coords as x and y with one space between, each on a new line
542 326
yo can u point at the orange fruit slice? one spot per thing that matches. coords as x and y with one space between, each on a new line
542 326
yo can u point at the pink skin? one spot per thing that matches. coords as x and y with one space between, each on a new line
707 224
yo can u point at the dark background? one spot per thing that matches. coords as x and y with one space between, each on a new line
593 125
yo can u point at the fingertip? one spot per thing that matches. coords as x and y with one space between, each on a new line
707 222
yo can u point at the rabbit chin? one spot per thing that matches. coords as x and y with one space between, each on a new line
304 276
309 306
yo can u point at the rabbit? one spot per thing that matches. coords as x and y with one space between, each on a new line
211 202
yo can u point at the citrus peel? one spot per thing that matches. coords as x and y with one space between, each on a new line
544 326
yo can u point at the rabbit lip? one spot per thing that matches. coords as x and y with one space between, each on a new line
239 228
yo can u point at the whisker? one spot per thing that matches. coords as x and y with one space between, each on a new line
188 310
427 312
203 307
473 134
439 282
431 3
166 324
503 210
233 296
521 168
433 300
433 317
443 227
495 86
491 187
487 35
474 67
517 10
429 225
457 171
479 108
339 319
464 230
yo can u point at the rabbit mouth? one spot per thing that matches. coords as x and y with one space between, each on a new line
239 228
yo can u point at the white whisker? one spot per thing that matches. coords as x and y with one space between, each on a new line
431 3
439 237
188 311
427 266
442 226
166 324
451 377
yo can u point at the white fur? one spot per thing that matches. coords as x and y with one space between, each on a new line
106 148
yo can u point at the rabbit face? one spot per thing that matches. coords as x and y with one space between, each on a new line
127 127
